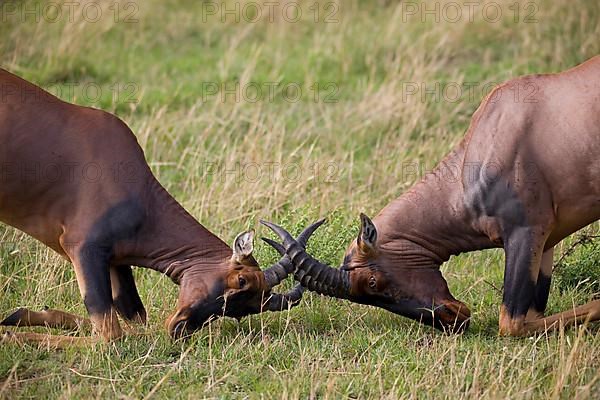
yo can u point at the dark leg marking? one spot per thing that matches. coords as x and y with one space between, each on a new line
519 284
94 270
16 318
125 295
542 287
523 250
121 222
542 291
93 277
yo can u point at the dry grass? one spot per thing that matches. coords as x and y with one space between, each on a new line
350 155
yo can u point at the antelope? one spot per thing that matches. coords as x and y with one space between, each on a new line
526 175
76 179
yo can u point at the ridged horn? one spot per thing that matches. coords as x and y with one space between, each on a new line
280 302
280 270
311 273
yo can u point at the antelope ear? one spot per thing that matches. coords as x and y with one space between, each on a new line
243 246
367 237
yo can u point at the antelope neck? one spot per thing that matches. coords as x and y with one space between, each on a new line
431 222
172 241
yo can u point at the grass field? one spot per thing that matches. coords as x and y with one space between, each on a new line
290 118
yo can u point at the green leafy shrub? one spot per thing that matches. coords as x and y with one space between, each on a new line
579 267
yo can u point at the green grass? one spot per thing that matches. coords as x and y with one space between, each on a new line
323 348
579 267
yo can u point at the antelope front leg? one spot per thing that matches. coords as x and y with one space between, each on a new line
52 341
525 300
535 321
523 250
585 313
125 295
48 317
93 277
542 287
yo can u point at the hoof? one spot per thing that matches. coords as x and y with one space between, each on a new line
15 318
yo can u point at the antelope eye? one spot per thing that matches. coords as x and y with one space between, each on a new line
241 281
372 282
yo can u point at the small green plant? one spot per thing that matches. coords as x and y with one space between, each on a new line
579 267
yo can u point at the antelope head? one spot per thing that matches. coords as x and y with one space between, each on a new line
235 288
374 275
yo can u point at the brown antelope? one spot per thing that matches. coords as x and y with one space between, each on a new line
76 179
526 175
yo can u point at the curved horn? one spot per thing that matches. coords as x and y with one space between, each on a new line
279 271
311 273
280 302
